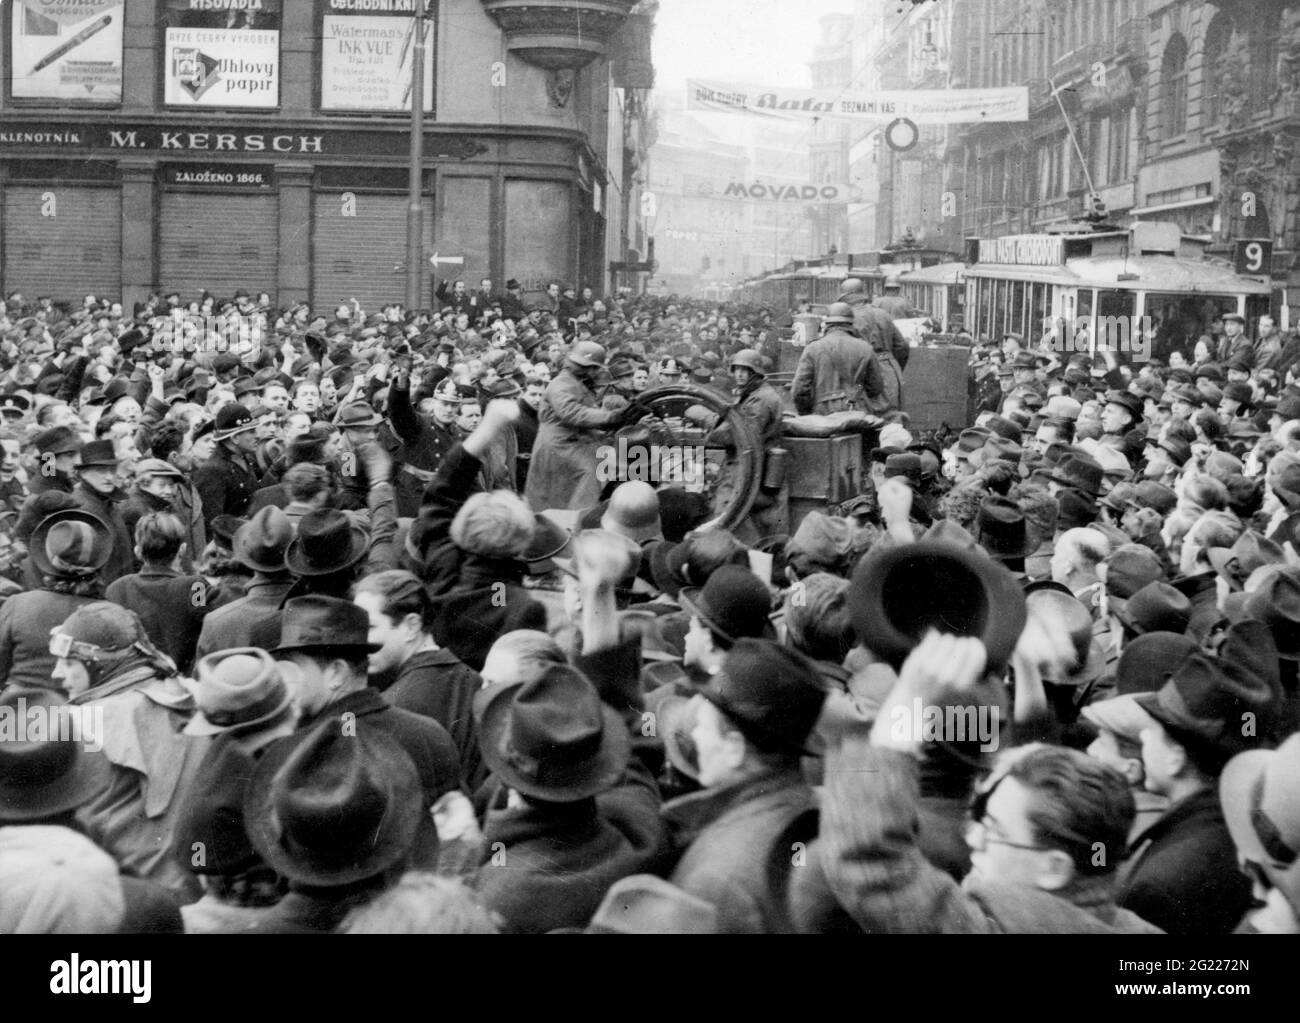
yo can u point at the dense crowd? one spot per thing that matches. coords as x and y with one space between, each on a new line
331 623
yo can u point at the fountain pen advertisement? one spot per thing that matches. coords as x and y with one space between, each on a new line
67 49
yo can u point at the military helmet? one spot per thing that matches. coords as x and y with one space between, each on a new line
749 359
838 312
587 354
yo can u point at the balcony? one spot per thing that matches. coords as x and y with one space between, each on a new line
558 35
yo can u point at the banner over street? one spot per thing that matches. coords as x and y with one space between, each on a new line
923 106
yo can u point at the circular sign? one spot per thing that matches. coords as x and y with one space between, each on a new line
902 134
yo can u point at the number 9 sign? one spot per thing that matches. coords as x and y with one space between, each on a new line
1254 257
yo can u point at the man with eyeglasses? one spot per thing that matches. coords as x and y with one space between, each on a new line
1047 830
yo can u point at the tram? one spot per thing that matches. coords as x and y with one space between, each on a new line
939 292
1128 292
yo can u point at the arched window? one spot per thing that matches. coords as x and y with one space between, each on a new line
1214 64
1173 88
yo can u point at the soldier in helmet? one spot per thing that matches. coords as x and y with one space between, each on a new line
839 371
571 426
105 660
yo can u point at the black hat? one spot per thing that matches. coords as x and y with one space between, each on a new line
324 623
98 453
1128 401
41 777
771 693
1000 529
733 604
328 541
899 593
232 419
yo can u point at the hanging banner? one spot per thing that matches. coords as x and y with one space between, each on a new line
67 49
785 194
367 56
921 106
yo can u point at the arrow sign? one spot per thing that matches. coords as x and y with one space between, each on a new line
436 259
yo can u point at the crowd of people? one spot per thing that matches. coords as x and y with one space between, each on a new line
280 651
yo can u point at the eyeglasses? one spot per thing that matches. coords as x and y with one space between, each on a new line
979 835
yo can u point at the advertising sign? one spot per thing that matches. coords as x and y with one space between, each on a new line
921 106
367 59
67 49
220 67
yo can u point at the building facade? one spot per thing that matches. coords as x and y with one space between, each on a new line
222 144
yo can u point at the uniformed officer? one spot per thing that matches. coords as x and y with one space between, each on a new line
227 481
423 442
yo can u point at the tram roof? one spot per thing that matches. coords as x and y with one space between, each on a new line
1142 273
940 273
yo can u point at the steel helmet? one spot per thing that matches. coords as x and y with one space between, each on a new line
587 354
749 359
839 312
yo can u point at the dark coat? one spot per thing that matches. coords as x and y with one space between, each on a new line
740 846
562 473
251 620
25 623
526 427
437 684
226 483
476 599
1182 872
171 607
423 447
109 509
428 744
836 372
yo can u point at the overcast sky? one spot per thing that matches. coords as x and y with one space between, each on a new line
767 41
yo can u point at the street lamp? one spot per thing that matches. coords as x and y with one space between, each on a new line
415 184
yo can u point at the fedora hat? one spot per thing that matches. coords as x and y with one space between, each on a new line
550 540
645 904
224 528
1130 567
97 454
1079 471
552 738
694 560
733 604
328 541
1260 793
1207 696
1156 607
237 690
231 420
771 693
897 594
71 543
260 543
358 414
1276 603
328 809
1000 529
947 531
1251 551
1144 667
324 623
41 777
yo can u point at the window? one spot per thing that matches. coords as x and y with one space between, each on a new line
1173 88
1262 66
1217 38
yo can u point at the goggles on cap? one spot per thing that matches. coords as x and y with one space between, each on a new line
62 645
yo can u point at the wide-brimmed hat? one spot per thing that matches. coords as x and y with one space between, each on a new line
772 693
260 543
1157 607
552 738
1276 603
71 543
1079 471
328 806
733 604
1128 401
328 541
1130 567
324 623
98 454
1208 696
549 541
1251 551
898 594
358 414
231 420
1260 793
42 777
1000 529
236 690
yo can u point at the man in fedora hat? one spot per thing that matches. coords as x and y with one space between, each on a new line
1181 872
340 815
327 640
752 726
97 491
244 695
359 424
253 619
106 661
572 802
227 481
733 604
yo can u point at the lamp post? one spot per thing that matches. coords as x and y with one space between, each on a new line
415 185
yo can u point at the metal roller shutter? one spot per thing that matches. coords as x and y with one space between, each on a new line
76 252
364 257
218 243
